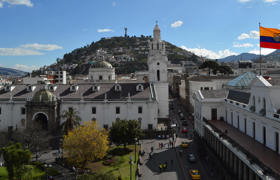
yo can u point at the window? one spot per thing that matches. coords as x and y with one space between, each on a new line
93 110
254 101
277 142
157 45
100 78
238 121
158 63
206 88
152 46
264 105
93 119
254 130
264 135
109 77
201 88
70 109
140 110
0 110
226 116
118 110
23 110
158 75
150 126
245 126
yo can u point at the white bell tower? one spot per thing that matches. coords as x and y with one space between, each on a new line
157 64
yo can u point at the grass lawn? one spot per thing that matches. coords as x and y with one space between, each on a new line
33 173
120 167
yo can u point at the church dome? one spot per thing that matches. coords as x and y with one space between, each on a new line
101 64
43 96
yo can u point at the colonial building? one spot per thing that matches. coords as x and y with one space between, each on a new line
101 100
242 127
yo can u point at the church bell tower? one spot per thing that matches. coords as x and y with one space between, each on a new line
157 64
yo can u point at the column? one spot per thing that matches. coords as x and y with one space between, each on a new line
240 169
245 171
251 175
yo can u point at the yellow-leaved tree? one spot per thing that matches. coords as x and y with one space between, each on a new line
85 143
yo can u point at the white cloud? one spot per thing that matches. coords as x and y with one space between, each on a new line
265 51
244 45
243 1
26 68
27 3
270 1
114 3
177 24
252 35
210 54
104 30
243 36
18 52
45 47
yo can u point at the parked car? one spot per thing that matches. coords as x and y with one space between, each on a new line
194 173
191 158
185 123
184 130
173 125
184 144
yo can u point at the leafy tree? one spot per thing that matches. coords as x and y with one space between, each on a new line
85 143
72 120
15 158
124 131
225 69
210 65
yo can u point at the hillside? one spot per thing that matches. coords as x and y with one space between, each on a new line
126 54
243 56
11 72
275 56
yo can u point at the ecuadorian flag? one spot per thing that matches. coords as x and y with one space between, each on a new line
270 38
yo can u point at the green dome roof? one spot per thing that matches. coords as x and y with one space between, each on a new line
101 64
43 96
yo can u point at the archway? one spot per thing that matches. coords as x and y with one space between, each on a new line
41 121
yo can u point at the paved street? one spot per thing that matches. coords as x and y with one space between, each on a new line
181 165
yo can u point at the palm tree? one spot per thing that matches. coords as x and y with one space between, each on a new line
72 120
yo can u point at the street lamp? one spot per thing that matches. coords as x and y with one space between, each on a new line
130 164
135 150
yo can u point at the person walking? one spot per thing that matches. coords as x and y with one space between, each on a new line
160 168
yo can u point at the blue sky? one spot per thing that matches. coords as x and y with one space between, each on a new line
33 33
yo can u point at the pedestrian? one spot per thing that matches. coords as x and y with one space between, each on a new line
152 149
164 166
159 145
160 168
150 156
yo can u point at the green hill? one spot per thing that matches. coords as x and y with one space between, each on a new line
136 48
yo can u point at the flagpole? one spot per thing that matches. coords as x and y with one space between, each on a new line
260 51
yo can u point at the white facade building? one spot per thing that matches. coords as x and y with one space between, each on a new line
246 124
23 105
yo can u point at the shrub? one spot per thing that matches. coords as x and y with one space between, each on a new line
119 151
108 176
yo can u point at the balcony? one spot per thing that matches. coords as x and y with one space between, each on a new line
256 152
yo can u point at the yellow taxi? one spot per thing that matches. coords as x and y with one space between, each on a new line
184 144
194 173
